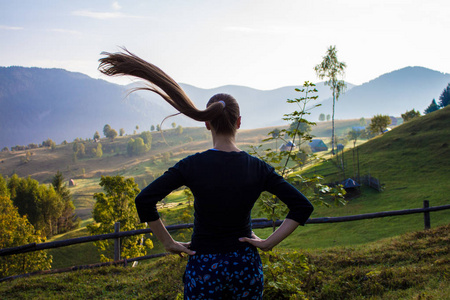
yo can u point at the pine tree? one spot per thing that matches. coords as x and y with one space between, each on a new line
432 107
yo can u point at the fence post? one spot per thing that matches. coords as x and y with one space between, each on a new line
116 242
426 215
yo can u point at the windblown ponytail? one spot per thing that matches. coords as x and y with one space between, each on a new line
126 63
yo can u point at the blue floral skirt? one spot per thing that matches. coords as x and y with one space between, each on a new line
232 275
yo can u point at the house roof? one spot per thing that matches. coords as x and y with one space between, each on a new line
317 143
349 183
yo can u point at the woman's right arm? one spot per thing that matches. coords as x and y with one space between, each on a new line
146 208
161 233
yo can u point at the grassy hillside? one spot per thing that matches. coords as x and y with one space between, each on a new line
412 266
412 162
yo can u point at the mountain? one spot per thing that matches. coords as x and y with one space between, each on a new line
391 94
36 104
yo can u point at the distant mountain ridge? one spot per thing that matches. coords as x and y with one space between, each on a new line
390 94
36 104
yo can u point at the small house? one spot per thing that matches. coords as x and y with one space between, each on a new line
288 146
317 145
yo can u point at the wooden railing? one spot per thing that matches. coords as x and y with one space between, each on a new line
256 223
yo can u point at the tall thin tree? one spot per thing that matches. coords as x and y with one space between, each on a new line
331 68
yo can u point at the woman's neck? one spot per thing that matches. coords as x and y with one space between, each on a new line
225 143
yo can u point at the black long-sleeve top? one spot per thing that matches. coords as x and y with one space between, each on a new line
225 186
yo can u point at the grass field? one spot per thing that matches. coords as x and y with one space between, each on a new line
412 266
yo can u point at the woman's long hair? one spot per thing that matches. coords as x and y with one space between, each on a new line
222 109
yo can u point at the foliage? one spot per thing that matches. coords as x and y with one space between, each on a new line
444 98
322 117
379 123
96 136
362 121
42 205
79 149
49 143
353 135
269 205
121 131
137 146
409 115
98 150
109 132
112 134
117 205
331 68
284 274
4 191
432 107
68 220
147 137
106 129
16 231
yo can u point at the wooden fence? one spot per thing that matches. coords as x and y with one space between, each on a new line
256 223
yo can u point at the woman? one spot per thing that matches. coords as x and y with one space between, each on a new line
223 259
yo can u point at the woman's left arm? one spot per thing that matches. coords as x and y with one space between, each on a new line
285 229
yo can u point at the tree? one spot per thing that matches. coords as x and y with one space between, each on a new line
286 163
331 68
179 129
158 128
432 107
353 135
49 143
112 134
328 117
379 123
99 151
409 115
147 137
444 98
4 191
116 204
174 125
40 203
96 136
322 117
152 128
106 129
137 146
16 230
68 220
362 121
121 131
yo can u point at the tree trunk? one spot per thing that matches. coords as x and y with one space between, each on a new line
332 122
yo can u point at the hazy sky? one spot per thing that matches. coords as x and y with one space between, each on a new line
210 43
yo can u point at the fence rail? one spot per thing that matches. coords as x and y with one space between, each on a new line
256 223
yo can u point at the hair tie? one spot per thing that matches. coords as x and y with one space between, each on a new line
223 103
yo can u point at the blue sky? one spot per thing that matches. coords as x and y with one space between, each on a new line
210 43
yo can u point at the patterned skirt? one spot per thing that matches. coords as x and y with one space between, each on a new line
232 275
